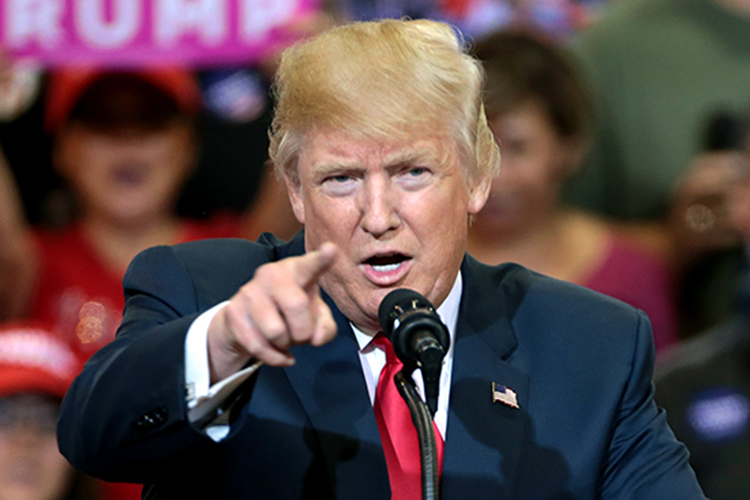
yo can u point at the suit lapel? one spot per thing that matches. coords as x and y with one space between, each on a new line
331 387
484 438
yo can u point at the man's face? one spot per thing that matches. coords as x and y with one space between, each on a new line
398 211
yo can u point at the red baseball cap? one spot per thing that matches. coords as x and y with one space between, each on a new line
66 86
34 359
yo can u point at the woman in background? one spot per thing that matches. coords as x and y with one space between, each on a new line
539 110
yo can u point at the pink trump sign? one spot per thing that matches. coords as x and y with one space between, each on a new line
141 32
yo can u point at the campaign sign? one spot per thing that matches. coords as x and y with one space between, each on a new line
142 32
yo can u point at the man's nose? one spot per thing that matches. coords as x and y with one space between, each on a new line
379 210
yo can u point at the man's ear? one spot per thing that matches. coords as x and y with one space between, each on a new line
479 193
294 189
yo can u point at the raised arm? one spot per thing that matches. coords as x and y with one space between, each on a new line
125 418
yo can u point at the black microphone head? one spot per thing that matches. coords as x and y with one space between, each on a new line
418 335
407 317
398 302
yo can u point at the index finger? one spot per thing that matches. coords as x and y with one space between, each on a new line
309 267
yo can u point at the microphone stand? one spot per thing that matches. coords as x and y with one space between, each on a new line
422 418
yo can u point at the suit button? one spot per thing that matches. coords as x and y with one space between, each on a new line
160 415
151 420
144 424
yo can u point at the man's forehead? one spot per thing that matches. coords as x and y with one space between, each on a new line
335 150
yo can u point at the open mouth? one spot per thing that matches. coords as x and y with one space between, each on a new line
386 263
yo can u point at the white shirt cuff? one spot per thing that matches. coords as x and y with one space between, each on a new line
202 399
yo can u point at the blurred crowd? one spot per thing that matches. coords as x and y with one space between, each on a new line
625 134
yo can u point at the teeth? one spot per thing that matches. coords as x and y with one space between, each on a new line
383 268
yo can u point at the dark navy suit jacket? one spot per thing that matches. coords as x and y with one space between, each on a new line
580 364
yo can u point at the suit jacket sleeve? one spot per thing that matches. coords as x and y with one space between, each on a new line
645 460
125 416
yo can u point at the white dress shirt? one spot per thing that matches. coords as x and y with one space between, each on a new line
203 399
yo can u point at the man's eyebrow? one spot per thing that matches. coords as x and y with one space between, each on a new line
327 168
412 157
418 156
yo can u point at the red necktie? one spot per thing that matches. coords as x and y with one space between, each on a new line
397 431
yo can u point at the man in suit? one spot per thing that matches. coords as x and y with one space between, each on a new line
381 137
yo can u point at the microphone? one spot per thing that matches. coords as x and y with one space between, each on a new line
418 336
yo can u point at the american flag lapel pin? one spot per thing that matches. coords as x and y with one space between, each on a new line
505 395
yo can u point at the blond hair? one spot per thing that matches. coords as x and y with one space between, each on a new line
385 80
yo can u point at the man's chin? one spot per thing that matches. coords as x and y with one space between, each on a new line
363 316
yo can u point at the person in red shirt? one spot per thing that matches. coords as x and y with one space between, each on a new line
126 143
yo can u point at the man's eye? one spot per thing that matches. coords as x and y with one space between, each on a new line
414 177
337 179
339 185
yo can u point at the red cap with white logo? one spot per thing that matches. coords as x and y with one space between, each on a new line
34 359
